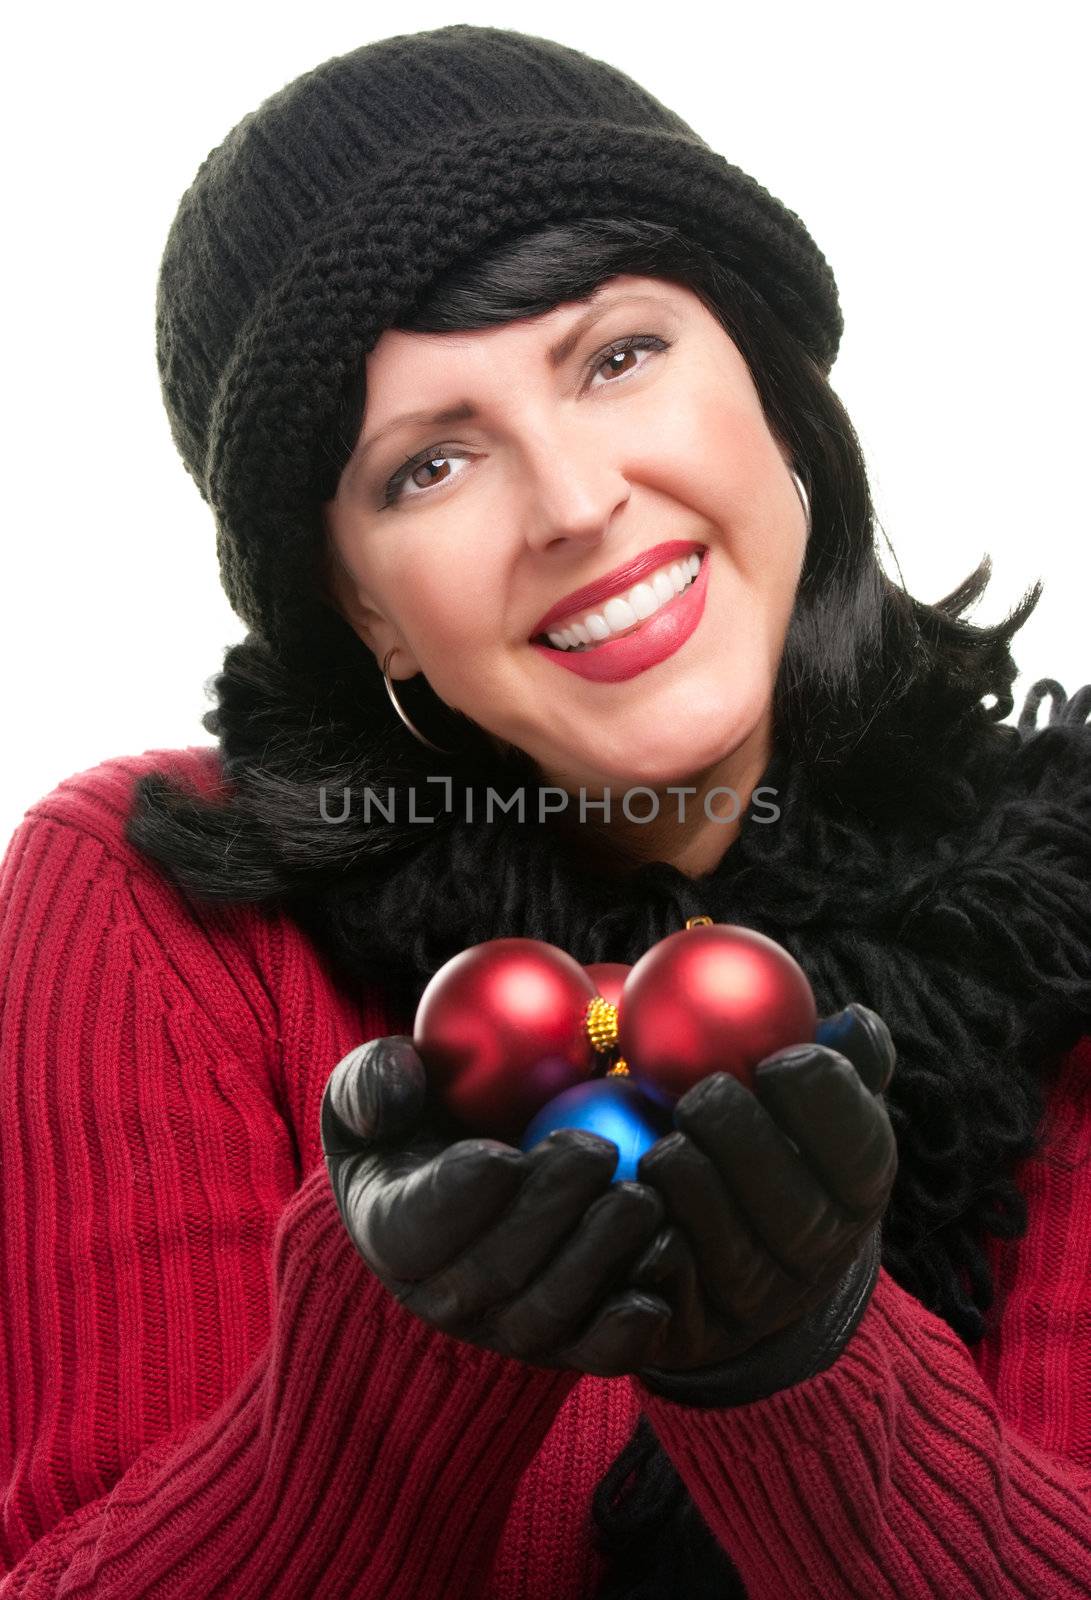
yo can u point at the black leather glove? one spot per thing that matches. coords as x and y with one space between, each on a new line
775 1201
523 1253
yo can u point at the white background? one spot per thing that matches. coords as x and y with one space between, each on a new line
937 155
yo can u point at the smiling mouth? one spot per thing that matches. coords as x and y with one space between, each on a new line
625 613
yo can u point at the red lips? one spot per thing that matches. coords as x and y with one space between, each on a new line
616 582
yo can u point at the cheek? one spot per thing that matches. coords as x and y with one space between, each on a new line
444 604
718 456
713 453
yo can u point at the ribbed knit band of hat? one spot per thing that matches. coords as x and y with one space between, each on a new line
326 213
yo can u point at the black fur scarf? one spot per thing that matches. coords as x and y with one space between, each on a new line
970 936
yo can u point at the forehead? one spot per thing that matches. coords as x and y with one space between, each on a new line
398 350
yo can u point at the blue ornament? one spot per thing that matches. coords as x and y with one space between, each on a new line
633 1115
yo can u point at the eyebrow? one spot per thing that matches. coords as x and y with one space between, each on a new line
466 411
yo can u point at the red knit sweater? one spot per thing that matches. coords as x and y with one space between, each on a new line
205 1391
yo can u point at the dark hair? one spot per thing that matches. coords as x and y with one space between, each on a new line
874 686
875 690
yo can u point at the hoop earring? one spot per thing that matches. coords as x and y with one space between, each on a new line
805 499
394 702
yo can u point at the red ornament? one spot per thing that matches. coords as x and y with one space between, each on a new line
500 1029
713 998
608 978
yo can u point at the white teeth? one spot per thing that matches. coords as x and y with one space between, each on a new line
665 587
623 611
620 614
644 600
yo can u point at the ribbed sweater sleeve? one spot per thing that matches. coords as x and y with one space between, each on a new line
899 1473
150 1221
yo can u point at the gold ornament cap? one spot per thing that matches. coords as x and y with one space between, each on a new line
600 1023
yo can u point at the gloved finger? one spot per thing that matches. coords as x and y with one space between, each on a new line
662 1261
862 1037
562 1176
842 1131
409 1219
736 1271
668 1268
591 1263
786 1207
624 1335
375 1094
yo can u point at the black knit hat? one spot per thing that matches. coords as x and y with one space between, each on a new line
325 214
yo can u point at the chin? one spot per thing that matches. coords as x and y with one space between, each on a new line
682 760
624 757
652 769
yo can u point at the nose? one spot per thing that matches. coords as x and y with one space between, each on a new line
575 485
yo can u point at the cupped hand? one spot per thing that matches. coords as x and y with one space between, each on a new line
525 1253
774 1201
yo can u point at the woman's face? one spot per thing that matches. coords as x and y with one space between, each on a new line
574 456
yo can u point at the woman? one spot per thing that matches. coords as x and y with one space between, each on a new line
275 1326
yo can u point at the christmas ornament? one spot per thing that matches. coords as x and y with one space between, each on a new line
502 1028
631 1114
507 1026
608 978
715 997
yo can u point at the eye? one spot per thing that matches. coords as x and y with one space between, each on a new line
434 455
621 347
